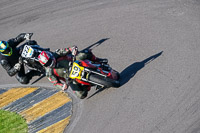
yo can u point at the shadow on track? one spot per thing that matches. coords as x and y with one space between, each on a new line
95 44
131 70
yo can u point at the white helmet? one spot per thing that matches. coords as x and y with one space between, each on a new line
47 59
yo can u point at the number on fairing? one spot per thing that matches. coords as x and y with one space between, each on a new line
27 51
75 72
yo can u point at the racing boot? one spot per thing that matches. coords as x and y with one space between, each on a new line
25 78
32 73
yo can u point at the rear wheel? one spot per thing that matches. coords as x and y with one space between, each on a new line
107 82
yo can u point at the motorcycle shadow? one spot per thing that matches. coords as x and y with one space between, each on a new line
130 71
95 44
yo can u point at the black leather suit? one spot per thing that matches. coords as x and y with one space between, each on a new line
8 62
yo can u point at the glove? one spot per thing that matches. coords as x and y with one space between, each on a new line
57 51
20 60
17 66
65 86
28 36
48 72
74 50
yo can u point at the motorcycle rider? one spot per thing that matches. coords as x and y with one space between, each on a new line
57 68
10 58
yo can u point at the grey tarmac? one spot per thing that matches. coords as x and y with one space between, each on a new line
159 94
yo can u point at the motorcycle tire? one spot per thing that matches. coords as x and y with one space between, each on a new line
107 82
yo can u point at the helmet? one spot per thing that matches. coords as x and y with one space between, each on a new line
47 59
5 49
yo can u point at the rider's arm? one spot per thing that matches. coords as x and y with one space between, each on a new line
16 41
54 80
65 51
10 70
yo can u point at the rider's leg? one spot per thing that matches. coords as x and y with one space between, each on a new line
21 77
79 90
25 78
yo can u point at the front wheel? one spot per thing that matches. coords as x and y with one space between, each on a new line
107 82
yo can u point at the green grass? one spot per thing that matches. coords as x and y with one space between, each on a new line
11 122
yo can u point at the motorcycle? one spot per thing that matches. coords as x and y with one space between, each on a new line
29 55
91 73
85 72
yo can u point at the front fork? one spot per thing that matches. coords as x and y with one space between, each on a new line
88 72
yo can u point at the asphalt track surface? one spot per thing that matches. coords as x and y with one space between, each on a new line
154 44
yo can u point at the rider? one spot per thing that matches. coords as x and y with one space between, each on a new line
10 58
57 68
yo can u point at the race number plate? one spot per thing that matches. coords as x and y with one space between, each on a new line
27 52
76 71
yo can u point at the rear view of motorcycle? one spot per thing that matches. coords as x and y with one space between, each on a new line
29 55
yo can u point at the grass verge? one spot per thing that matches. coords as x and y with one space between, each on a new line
11 122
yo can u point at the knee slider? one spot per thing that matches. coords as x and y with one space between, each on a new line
22 80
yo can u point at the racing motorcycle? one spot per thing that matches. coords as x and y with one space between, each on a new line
91 73
29 55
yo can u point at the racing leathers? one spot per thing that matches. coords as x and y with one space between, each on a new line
13 64
60 73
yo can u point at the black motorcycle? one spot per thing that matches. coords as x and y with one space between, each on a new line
29 55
